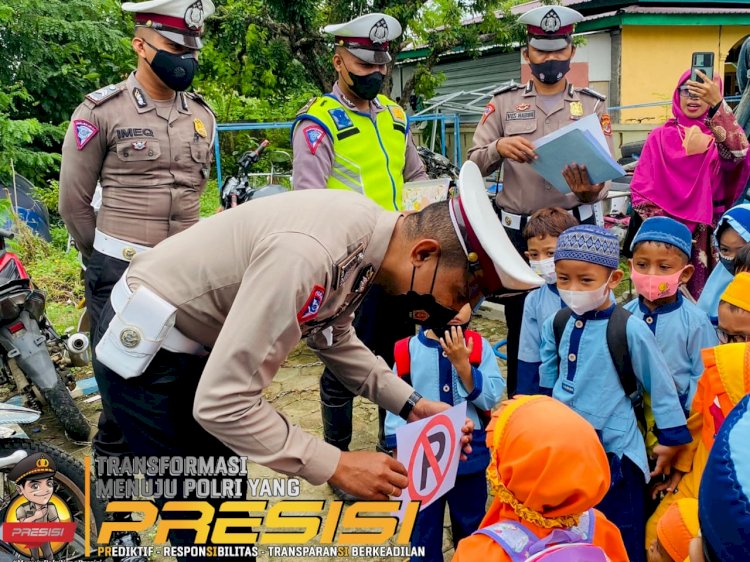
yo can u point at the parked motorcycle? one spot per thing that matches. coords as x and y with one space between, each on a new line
34 358
241 187
70 481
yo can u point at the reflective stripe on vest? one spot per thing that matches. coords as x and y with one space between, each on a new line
369 156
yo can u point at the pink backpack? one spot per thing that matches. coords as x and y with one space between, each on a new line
573 544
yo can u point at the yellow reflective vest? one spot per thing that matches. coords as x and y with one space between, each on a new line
368 155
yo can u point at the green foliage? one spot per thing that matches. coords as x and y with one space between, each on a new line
52 52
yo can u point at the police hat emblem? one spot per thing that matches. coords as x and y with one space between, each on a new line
194 15
550 22
379 32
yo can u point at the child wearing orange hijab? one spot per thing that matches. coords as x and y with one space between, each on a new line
674 532
546 477
725 381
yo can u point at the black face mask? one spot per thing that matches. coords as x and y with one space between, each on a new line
728 263
551 71
424 309
175 70
368 86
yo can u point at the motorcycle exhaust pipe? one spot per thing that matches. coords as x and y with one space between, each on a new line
79 349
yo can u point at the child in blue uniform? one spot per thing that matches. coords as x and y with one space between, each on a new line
732 233
582 374
541 233
660 264
459 367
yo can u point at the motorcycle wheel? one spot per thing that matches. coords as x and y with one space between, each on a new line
70 485
64 407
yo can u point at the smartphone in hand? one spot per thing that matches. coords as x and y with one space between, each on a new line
703 62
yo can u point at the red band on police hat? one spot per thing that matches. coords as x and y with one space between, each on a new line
175 24
534 30
361 42
487 278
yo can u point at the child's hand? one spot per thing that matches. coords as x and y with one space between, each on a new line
669 485
458 353
454 346
664 455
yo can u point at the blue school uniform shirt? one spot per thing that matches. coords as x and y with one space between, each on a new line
682 330
584 378
539 305
433 376
715 286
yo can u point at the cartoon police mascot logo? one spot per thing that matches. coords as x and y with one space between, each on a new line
379 32
38 523
550 22
194 15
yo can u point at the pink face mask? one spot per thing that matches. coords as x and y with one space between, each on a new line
655 287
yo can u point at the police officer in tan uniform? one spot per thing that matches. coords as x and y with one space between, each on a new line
199 334
148 143
518 115
356 138
34 477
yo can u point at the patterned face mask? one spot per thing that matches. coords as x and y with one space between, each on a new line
696 141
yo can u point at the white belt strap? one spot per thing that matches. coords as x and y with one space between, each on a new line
116 248
175 340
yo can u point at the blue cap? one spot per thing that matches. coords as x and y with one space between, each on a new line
738 218
667 231
724 497
589 243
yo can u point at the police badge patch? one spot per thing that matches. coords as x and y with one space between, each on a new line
312 306
489 109
313 137
340 118
379 32
84 131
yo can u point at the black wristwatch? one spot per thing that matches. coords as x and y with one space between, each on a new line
410 403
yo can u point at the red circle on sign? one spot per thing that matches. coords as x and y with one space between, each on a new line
424 444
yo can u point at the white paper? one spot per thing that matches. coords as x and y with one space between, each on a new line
430 451
589 123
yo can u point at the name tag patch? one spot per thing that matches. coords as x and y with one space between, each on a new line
519 115
312 306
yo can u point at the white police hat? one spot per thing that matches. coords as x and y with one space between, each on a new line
550 28
367 37
180 21
495 262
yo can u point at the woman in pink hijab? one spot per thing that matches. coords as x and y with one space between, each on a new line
693 168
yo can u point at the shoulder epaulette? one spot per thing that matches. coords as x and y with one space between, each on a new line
305 107
201 100
104 94
592 93
506 88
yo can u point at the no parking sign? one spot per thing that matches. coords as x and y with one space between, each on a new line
430 451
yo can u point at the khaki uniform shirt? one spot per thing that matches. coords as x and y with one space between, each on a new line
250 283
152 158
514 111
311 171
28 509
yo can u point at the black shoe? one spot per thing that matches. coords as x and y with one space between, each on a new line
127 539
346 497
